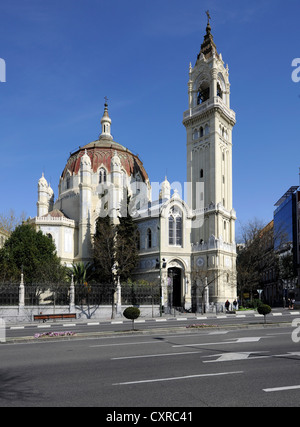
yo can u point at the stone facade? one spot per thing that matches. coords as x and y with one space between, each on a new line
181 243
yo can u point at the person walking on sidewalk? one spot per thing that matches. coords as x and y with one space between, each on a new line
227 304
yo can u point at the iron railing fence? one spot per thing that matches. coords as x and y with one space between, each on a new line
140 294
85 294
9 294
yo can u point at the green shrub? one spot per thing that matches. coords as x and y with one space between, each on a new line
131 313
264 309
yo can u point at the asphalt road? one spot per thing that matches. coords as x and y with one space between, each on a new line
213 367
120 324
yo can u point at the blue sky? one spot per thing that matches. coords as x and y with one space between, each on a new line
63 56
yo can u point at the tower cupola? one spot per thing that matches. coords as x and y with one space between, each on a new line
106 123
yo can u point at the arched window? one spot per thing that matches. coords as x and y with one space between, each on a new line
219 91
175 227
68 182
201 132
195 134
138 181
179 231
149 238
203 94
201 173
102 176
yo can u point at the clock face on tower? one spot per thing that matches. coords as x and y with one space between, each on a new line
200 262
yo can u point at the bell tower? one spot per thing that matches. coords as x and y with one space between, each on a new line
209 121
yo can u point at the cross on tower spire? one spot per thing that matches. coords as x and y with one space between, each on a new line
208 16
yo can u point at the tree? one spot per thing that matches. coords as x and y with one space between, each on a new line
203 278
81 272
264 309
132 313
256 257
104 250
31 251
264 255
10 221
115 250
126 247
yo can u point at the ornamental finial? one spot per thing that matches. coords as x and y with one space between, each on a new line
208 16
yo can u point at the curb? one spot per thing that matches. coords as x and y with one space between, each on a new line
178 329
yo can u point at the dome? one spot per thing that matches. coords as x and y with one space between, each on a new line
42 182
101 153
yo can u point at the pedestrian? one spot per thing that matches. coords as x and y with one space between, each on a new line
235 304
227 303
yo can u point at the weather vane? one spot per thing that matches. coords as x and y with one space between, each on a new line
208 16
106 99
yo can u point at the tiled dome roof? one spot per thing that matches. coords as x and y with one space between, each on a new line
101 153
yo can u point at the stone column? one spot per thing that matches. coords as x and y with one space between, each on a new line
72 296
22 293
21 310
119 298
206 296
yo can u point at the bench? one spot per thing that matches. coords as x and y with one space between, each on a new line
45 317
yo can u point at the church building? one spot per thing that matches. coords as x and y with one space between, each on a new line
181 243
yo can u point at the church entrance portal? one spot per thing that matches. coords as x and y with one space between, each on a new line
174 287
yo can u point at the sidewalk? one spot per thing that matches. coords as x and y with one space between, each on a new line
119 319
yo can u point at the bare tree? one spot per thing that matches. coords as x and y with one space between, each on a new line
202 279
258 255
10 221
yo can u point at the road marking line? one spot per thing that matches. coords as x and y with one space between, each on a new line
181 318
295 313
155 355
69 324
44 326
17 327
237 341
128 343
180 378
227 357
93 323
218 333
160 320
292 387
248 339
277 314
206 343
118 322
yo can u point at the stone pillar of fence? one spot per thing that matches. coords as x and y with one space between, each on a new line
206 296
72 296
22 292
119 298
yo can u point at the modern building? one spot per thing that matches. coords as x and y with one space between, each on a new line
192 243
286 237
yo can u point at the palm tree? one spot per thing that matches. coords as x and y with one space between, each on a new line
81 272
